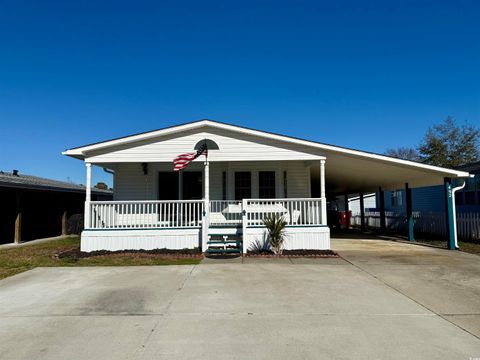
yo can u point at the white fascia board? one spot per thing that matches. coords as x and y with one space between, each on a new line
128 139
80 151
342 150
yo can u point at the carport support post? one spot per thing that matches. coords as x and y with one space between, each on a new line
383 222
347 212
450 216
408 198
88 197
362 212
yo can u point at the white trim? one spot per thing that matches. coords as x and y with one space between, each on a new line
88 195
115 240
80 151
317 238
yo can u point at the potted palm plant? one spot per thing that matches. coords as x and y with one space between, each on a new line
275 225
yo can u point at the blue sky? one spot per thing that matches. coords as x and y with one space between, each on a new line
368 75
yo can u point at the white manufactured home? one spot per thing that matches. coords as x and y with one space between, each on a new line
248 175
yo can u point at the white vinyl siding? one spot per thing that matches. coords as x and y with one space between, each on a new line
233 147
132 184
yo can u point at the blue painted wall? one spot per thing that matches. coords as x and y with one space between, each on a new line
426 199
432 198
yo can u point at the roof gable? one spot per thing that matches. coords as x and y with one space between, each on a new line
233 146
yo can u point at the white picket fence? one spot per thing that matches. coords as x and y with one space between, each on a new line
468 224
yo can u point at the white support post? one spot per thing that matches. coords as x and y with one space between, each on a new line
88 190
322 192
207 181
206 210
244 226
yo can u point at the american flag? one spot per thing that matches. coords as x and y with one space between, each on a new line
182 160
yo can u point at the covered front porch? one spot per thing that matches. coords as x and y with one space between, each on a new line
210 206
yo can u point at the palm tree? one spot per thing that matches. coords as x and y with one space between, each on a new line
275 225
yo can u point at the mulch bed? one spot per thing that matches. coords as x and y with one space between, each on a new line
296 253
156 253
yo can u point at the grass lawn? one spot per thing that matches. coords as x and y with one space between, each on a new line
22 258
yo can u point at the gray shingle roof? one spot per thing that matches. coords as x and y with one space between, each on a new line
22 181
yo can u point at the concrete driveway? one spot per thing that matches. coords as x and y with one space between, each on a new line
382 300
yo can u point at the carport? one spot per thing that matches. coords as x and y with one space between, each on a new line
350 172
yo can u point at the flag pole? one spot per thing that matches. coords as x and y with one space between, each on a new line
206 199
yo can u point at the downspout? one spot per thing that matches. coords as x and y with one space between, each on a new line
454 190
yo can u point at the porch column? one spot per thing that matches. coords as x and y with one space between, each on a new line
383 223
323 197
206 211
449 213
88 190
409 208
347 212
362 212
207 182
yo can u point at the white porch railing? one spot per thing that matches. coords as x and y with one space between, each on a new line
189 213
145 214
225 213
296 212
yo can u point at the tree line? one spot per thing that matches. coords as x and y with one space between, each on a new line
446 144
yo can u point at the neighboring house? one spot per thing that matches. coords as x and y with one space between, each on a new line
432 199
32 207
249 175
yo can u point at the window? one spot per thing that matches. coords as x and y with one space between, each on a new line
266 184
243 185
397 199
285 185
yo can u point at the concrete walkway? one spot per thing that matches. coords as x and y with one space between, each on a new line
384 300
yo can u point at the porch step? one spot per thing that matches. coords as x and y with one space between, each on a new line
224 251
223 243
219 242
